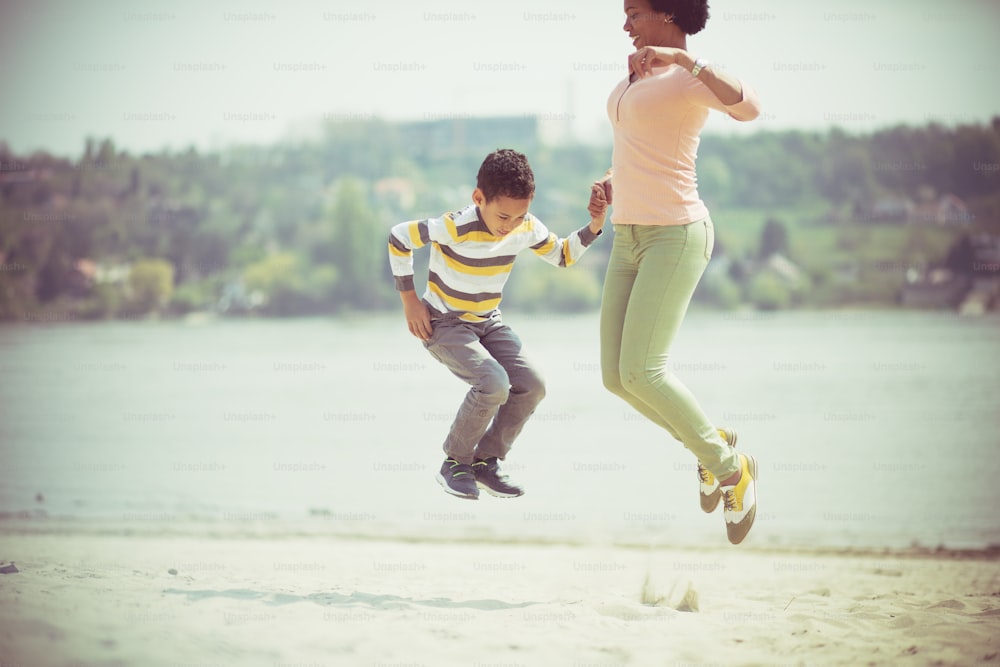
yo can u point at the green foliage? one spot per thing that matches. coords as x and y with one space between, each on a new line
767 292
216 218
773 239
190 297
105 302
284 284
536 286
718 289
150 285
358 247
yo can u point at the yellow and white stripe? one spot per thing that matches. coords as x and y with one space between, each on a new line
469 266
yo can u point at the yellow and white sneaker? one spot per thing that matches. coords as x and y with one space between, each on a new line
740 501
709 493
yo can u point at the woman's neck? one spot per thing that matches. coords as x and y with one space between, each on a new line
675 42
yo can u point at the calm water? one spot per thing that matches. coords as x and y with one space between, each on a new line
870 428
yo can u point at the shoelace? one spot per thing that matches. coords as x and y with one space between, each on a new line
495 470
460 472
703 474
729 500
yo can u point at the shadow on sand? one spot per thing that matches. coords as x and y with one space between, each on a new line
355 599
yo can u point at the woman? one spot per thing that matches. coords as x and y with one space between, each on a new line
664 238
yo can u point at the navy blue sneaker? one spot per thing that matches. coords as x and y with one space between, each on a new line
458 479
489 477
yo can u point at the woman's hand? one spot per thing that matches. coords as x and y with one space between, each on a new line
642 62
600 199
606 184
598 206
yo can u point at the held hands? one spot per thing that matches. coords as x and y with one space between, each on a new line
600 198
642 62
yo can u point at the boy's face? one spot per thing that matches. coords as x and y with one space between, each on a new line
502 214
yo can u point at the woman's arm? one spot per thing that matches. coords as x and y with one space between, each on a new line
725 87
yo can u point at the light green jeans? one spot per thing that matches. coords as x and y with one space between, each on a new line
651 276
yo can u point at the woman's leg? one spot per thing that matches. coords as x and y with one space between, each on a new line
618 283
670 262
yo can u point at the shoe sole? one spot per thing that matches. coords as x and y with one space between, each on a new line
752 516
450 491
498 494
711 503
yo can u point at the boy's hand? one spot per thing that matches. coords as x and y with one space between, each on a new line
418 318
598 206
606 182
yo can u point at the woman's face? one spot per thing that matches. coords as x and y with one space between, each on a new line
644 25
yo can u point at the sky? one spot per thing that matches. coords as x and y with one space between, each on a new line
155 74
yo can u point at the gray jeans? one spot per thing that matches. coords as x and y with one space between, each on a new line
505 386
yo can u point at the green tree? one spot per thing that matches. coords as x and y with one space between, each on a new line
359 247
715 180
535 286
767 292
280 280
289 286
773 239
151 284
849 173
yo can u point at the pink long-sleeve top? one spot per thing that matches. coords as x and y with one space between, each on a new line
656 124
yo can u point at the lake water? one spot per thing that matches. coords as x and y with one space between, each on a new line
871 429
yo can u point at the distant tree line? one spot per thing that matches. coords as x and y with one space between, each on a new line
300 228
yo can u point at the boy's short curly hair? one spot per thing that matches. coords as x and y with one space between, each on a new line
689 15
506 173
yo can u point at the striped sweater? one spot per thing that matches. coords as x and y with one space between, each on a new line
468 265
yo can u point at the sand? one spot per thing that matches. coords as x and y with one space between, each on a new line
201 595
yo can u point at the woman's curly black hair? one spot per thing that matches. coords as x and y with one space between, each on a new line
689 15
506 173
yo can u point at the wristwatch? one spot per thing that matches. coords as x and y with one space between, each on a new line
699 65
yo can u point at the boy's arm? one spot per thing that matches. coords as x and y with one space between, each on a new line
566 252
403 238
418 318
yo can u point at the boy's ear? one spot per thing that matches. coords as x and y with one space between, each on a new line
478 197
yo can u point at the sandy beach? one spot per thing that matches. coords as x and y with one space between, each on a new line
151 527
92 593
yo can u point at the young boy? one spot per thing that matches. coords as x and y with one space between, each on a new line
458 319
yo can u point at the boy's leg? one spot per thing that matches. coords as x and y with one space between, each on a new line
527 389
456 344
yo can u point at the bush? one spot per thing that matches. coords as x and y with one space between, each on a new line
767 292
289 287
190 297
718 289
104 302
151 284
536 286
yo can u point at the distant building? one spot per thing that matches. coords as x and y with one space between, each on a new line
890 209
986 248
399 191
946 210
938 288
785 269
459 137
